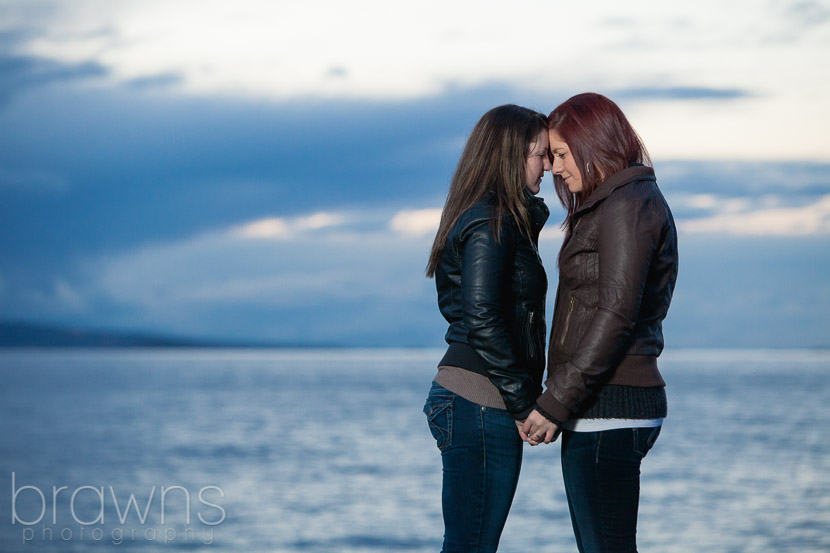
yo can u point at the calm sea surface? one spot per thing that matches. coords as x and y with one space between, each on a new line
328 452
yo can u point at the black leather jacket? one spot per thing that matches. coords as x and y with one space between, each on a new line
492 294
616 278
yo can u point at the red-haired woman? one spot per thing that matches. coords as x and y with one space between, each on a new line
617 271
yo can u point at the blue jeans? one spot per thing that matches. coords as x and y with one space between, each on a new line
482 455
602 482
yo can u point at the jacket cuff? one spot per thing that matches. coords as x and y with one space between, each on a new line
522 415
552 409
548 416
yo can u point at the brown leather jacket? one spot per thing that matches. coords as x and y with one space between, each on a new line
616 278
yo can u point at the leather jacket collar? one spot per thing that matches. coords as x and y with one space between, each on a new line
617 180
538 210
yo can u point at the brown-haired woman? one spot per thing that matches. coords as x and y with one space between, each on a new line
491 290
617 271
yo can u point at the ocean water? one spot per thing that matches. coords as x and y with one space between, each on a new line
328 451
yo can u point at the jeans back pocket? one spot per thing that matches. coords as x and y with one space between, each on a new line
438 410
644 439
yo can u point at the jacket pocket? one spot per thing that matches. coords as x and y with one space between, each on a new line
573 322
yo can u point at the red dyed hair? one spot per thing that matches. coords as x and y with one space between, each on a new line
601 141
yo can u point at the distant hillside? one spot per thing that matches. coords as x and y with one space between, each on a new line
16 334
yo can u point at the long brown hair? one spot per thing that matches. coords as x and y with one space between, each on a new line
493 162
601 141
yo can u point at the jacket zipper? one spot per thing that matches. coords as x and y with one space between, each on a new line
529 335
567 322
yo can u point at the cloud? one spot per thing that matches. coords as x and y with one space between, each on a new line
21 70
272 227
278 263
284 228
810 13
273 281
424 223
139 166
809 220
198 162
416 222
552 233
52 297
802 22
801 182
681 93
162 80
319 221
337 72
19 73
68 297
273 54
356 277
695 206
278 50
295 276
272 261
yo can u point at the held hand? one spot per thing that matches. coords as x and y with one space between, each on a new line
520 424
537 429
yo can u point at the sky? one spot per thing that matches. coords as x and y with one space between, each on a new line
274 171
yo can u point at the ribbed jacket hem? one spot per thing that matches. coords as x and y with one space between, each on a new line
463 355
636 390
625 402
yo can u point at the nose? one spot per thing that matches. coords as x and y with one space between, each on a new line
557 166
546 165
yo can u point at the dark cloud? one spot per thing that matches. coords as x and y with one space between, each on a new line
19 73
810 14
162 80
681 93
797 22
139 167
337 72
795 181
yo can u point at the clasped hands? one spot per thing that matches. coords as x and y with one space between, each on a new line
537 429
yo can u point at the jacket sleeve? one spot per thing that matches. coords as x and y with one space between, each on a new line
484 270
628 236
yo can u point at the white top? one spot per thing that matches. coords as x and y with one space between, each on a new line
598 425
